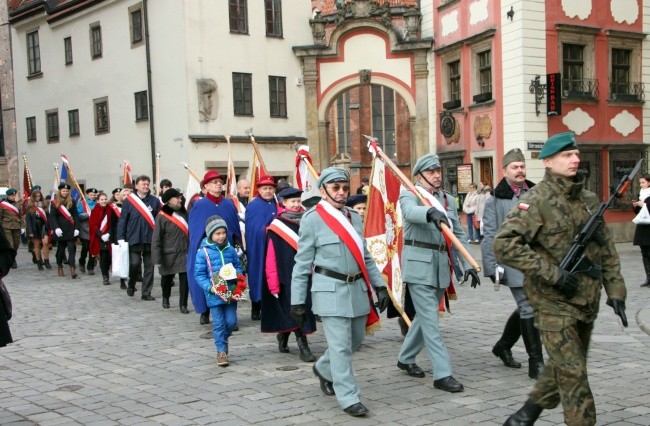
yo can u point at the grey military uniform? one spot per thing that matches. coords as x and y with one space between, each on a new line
342 306
427 273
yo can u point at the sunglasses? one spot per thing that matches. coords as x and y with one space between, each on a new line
336 188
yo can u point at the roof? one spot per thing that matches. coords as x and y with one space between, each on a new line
55 9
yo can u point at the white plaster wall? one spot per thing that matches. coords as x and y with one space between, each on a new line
524 56
95 159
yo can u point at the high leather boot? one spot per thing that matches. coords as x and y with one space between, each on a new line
646 266
60 271
39 265
256 308
105 280
533 344
123 283
165 302
47 264
527 415
283 340
305 352
511 333
73 272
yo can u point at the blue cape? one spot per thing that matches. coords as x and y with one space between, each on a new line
259 214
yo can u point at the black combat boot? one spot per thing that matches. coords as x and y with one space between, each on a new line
39 265
646 267
283 340
527 415
511 334
533 344
165 302
47 264
305 353
105 280
123 283
256 308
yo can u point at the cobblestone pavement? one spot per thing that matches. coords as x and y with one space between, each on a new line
89 354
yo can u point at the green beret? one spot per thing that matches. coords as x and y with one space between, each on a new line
11 191
333 174
426 162
512 156
557 143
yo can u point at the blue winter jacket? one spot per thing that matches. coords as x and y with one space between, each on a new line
218 258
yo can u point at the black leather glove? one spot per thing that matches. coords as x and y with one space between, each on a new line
436 217
475 279
382 299
567 284
493 278
619 309
299 313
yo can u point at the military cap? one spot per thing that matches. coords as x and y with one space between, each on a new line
353 200
169 194
64 185
557 143
266 180
333 174
288 193
116 190
426 162
512 156
36 187
11 191
91 191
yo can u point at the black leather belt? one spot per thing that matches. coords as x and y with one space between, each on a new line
414 243
337 275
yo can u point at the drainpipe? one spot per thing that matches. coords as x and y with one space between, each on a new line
152 134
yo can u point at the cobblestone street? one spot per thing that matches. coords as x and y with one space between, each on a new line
85 353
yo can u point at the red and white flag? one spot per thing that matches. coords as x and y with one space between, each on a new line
305 179
231 178
126 173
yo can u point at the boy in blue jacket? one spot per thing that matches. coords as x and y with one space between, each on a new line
221 295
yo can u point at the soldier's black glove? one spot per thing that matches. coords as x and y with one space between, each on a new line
567 284
436 217
299 313
619 309
475 279
382 299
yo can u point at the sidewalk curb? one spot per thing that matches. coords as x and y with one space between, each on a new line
643 319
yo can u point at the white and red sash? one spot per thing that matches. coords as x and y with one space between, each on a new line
10 208
433 201
179 221
103 227
65 213
142 209
41 213
342 227
117 210
287 234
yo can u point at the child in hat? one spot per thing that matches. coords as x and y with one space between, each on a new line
219 273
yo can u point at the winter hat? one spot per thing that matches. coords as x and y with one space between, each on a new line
514 155
169 194
213 223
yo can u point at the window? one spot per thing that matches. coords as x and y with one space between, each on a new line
383 117
73 122
573 64
343 123
238 10
52 120
485 71
95 41
67 48
136 25
242 93
33 53
273 17
30 124
454 81
141 106
278 96
577 63
620 71
102 122
625 81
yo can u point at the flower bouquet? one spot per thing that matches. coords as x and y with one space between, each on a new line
228 284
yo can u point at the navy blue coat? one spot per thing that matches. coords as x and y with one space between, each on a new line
132 226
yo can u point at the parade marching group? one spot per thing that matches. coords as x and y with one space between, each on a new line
300 260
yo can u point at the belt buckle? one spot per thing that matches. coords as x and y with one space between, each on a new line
350 279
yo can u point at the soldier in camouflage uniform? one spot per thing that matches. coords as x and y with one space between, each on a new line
12 218
534 238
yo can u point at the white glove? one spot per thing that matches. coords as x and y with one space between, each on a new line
58 232
22 230
105 237
276 296
76 233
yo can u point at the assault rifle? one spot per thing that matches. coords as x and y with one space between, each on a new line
576 261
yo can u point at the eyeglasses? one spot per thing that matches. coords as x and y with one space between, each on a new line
336 188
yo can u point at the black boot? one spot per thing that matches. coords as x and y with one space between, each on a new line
47 264
39 265
283 339
91 271
165 302
511 334
533 344
305 353
205 318
527 415
82 267
123 283
256 307
105 280
646 267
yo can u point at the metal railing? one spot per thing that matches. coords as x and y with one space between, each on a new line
583 88
627 91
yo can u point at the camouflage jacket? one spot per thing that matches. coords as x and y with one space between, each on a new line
537 234
9 220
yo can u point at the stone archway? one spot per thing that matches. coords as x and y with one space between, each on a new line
362 52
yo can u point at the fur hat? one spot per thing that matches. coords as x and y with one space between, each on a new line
212 224
514 155
169 194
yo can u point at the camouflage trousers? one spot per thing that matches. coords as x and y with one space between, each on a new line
565 375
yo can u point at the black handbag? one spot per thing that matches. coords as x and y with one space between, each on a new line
5 299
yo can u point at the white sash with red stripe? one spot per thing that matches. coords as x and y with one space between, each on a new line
65 213
433 201
117 210
179 221
142 209
41 213
10 207
284 232
103 227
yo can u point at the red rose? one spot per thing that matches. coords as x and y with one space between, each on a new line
222 289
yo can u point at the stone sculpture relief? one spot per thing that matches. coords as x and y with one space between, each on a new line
208 100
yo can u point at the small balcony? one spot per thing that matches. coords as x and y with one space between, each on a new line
627 91
584 88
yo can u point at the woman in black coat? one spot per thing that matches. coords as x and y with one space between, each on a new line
65 226
642 233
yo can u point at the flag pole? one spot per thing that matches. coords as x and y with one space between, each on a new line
310 166
76 184
249 132
191 172
56 174
372 143
230 173
156 184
